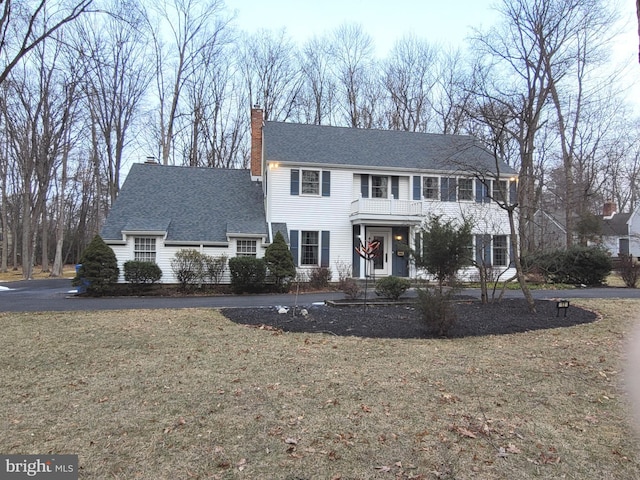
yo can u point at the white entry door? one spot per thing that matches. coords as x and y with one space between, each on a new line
381 264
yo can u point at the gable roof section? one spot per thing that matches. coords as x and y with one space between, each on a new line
616 226
353 147
189 204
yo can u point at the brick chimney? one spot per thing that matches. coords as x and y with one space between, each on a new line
609 209
257 122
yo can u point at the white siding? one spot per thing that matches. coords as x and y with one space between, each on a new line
317 213
166 253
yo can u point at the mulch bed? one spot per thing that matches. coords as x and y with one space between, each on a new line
404 321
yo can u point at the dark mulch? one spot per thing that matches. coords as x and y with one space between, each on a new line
404 321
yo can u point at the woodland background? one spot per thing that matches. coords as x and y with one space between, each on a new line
91 86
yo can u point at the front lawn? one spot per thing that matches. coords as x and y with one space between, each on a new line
188 394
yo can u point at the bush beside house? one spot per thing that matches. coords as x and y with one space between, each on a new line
577 265
247 274
141 274
98 271
279 261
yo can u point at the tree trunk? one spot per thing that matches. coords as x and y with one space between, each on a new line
58 262
516 260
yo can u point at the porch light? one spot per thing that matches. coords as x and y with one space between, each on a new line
399 238
562 304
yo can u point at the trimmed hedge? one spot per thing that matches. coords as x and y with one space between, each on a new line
247 274
141 273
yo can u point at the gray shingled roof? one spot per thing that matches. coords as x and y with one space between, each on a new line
191 204
324 145
616 226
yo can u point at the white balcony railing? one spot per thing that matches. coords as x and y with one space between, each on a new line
386 207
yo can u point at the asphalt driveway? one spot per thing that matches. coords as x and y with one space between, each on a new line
58 295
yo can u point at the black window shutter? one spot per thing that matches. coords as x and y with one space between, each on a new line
364 186
326 183
513 192
295 182
324 255
395 187
444 189
293 241
417 187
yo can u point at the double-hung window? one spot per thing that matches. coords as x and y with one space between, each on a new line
448 189
309 248
500 191
310 182
500 251
465 189
144 249
246 248
430 189
379 186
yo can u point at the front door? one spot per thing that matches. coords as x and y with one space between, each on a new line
381 262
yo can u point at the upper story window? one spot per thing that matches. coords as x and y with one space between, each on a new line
500 191
448 187
144 249
465 189
246 248
310 182
379 186
430 190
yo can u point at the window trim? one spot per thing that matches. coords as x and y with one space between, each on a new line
502 249
145 249
314 249
435 188
383 187
317 183
248 244
470 190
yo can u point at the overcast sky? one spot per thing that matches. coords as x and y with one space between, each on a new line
438 21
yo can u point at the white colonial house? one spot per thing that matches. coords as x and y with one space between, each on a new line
327 190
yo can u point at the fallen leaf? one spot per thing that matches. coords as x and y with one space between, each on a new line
384 468
511 448
291 441
465 432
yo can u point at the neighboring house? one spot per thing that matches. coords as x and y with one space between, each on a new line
327 189
620 231
550 232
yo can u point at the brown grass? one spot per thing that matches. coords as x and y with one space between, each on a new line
187 394
68 271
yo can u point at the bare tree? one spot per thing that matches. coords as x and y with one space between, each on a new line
352 53
26 24
116 74
317 95
409 80
216 97
193 26
272 73
571 51
454 93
